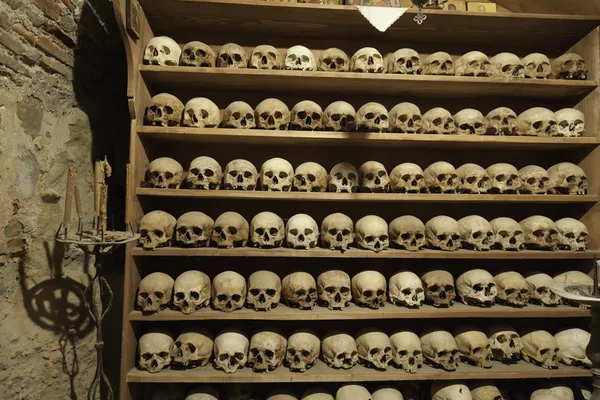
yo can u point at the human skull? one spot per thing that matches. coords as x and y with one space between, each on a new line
439 63
540 348
387 393
310 177
306 116
570 122
154 349
232 55
574 278
539 287
281 394
155 292
264 290
267 350
537 121
337 232
267 230
534 180
572 344
239 115
197 54
334 289
405 118
230 230
339 116
353 392
367 60
372 117
303 350
373 178
513 289
406 289
440 349
272 114
470 122
166 173
508 234
569 66
438 121
574 234
276 175
441 177
406 351
191 291
343 178
265 57
339 350
374 348
317 393
369 289
194 347
505 342
408 233
299 58
299 290
443 233
240 175
553 390
228 291
477 287
537 66
473 179
540 232
201 112
476 233
474 63
507 65
164 109
204 173
230 350
473 345
203 392
162 50
504 178
439 288
501 121
372 233
194 229
301 232
334 60
405 61
407 178
156 230
450 391
567 178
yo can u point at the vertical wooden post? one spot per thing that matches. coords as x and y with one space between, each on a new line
103 207
593 350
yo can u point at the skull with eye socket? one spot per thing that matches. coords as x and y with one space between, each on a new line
369 289
238 115
228 291
310 177
240 175
372 233
306 116
276 175
513 289
156 230
334 289
334 60
267 230
374 178
197 54
204 173
301 232
164 109
443 233
299 289
439 288
337 232
230 230
272 114
343 178
232 55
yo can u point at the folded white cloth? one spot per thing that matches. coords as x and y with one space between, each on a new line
381 17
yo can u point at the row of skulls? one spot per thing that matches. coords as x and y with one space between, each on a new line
166 110
269 348
338 232
162 50
278 175
264 290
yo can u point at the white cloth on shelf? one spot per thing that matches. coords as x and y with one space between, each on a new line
381 17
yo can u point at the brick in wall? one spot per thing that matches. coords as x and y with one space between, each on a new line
4 20
49 8
25 33
11 43
51 65
55 51
10 62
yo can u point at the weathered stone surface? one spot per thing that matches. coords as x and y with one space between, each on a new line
51 196
27 173
27 34
51 65
5 20
30 113
11 43
14 4
13 229
49 8
10 62
47 45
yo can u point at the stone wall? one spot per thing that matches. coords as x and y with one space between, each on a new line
62 100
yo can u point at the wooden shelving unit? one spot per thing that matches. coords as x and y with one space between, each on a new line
253 22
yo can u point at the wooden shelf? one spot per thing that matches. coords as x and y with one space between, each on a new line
552 34
353 312
322 373
421 86
355 253
380 140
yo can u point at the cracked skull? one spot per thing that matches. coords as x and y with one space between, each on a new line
272 114
194 229
539 287
443 233
197 54
504 178
567 178
192 291
204 173
405 118
299 290
240 175
513 289
372 117
473 345
570 122
534 180
339 116
441 177
476 233
239 115
406 351
337 232
372 233
267 350
201 112
374 348
194 347
439 288
155 292
406 289
230 350
232 55
501 121
303 350
165 173
537 66
405 61
306 116
438 121
299 58
228 291
339 350
334 60
505 342
569 66
572 344
507 65
301 232
367 60
264 290
230 230
540 348
408 233
407 178
450 391
477 287
156 230
164 109
474 63
537 121
470 122
343 178
540 233
334 289
373 178
267 230
440 349
439 63
162 50
573 233
154 349
369 289
508 234
473 179
310 177
276 175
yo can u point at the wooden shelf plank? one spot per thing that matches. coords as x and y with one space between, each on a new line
356 253
543 32
353 312
380 140
422 86
322 373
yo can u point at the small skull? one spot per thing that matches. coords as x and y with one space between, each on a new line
505 178
334 289
569 66
567 178
473 179
440 349
299 290
441 177
230 230
353 392
310 177
267 230
513 289
439 63
301 232
374 348
272 114
505 343
302 351
166 173
197 54
264 290
192 291
406 289
407 178
343 178
239 115
477 288
299 58
372 117
228 291
539 287
162 50
534 180
540 348
443 233
374 178
508 234
306 116
473 345
230 350
193 347
240 175
201 112
553 390
156 230
438 121
334 60
369 289
574 234
372 233
406 351
572 344
387 393
507 65
439 288
450 391
154 349
276 175
405 118
537 121
267 350
476 233
474 63
470 122
501 121
204 173
265 57
194 229
570 122
367 60
232 55
337 232
541 233
339 116
339 351
405 61
164 110
537 66
408 233
155 292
